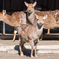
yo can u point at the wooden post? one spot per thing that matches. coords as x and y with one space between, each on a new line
3 27
3 22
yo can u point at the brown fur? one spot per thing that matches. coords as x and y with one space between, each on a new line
52 19
31 18
29 33
20 19
30 10
16 19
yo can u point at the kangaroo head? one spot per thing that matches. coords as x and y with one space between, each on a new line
30 7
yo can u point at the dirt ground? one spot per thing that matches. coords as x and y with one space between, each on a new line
4 55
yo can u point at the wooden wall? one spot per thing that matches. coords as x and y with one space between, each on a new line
14 5
1 5
51 4
18 5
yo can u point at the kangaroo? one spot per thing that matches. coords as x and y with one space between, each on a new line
30 33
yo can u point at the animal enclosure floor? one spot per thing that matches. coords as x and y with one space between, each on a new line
16 42
4 55
53 36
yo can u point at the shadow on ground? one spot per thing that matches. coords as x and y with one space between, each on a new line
26 52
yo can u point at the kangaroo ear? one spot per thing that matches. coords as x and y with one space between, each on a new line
26 4
36 16
45 17
4 12
34 4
